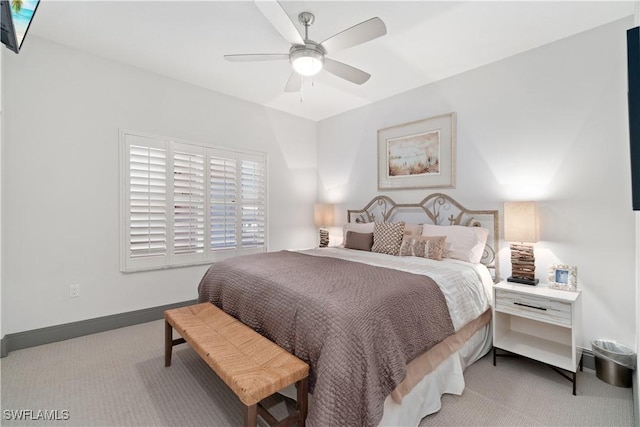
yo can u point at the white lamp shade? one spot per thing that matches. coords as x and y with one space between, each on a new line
521 222
323 215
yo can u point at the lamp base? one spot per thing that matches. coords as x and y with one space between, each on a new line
523 264
523 280
324 238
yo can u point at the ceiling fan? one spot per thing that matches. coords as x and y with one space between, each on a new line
308 57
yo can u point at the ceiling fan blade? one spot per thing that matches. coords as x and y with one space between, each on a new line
273 11
294 84
363 32
345 71
245 57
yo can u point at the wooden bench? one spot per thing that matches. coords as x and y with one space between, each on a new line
252 366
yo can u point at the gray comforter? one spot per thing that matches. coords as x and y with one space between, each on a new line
357 326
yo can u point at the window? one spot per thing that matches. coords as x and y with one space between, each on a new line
186 203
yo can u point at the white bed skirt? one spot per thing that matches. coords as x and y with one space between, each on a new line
424 398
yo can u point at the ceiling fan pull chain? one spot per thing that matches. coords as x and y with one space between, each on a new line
302 90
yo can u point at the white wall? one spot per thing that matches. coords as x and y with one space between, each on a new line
62 112
1 145
549 125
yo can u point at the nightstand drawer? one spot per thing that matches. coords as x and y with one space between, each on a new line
533 307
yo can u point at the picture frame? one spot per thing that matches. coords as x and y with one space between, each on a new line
419 154
563 276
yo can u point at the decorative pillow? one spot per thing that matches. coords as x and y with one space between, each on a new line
413 230
436 247
359 241
412 247
463 243
387 237
358 227
432 247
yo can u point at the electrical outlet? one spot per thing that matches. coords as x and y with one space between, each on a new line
74 291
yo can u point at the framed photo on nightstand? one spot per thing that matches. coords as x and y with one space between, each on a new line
563 277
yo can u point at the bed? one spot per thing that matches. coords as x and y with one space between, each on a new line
386 330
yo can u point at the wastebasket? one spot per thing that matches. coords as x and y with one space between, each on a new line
614 362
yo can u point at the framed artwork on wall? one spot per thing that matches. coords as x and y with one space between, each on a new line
420 154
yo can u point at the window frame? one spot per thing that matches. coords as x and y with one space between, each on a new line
208 254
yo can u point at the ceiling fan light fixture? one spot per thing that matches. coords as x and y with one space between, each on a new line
306 56
307 62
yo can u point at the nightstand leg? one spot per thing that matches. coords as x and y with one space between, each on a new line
581 359
494 356
575 379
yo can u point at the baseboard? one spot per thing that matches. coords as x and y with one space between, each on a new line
20 340
588 359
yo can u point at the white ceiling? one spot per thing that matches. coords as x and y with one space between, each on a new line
426 41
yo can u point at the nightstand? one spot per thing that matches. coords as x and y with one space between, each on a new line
539 323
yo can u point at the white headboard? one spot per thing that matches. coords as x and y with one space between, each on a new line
438 209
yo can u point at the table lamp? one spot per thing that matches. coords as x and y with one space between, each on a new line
521 229
323 217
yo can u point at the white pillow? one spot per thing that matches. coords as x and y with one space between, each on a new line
463 243
358 227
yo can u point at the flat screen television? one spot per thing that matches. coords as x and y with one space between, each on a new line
633 68
15 20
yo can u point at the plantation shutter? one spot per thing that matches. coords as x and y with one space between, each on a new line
146 214
222 200
188 202
253 199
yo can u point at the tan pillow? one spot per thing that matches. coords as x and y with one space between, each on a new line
359 241
412 247
436 247
413 230
432 247
387 237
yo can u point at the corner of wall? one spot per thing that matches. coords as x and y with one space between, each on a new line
1 145
636 397
636 391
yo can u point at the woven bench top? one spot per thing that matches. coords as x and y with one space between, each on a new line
251 365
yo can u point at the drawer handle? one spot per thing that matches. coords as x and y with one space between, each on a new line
530 306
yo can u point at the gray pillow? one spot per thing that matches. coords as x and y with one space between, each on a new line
359 241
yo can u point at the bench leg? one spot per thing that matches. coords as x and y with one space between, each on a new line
168 343
251 416
302 403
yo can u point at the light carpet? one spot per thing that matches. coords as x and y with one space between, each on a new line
118 378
